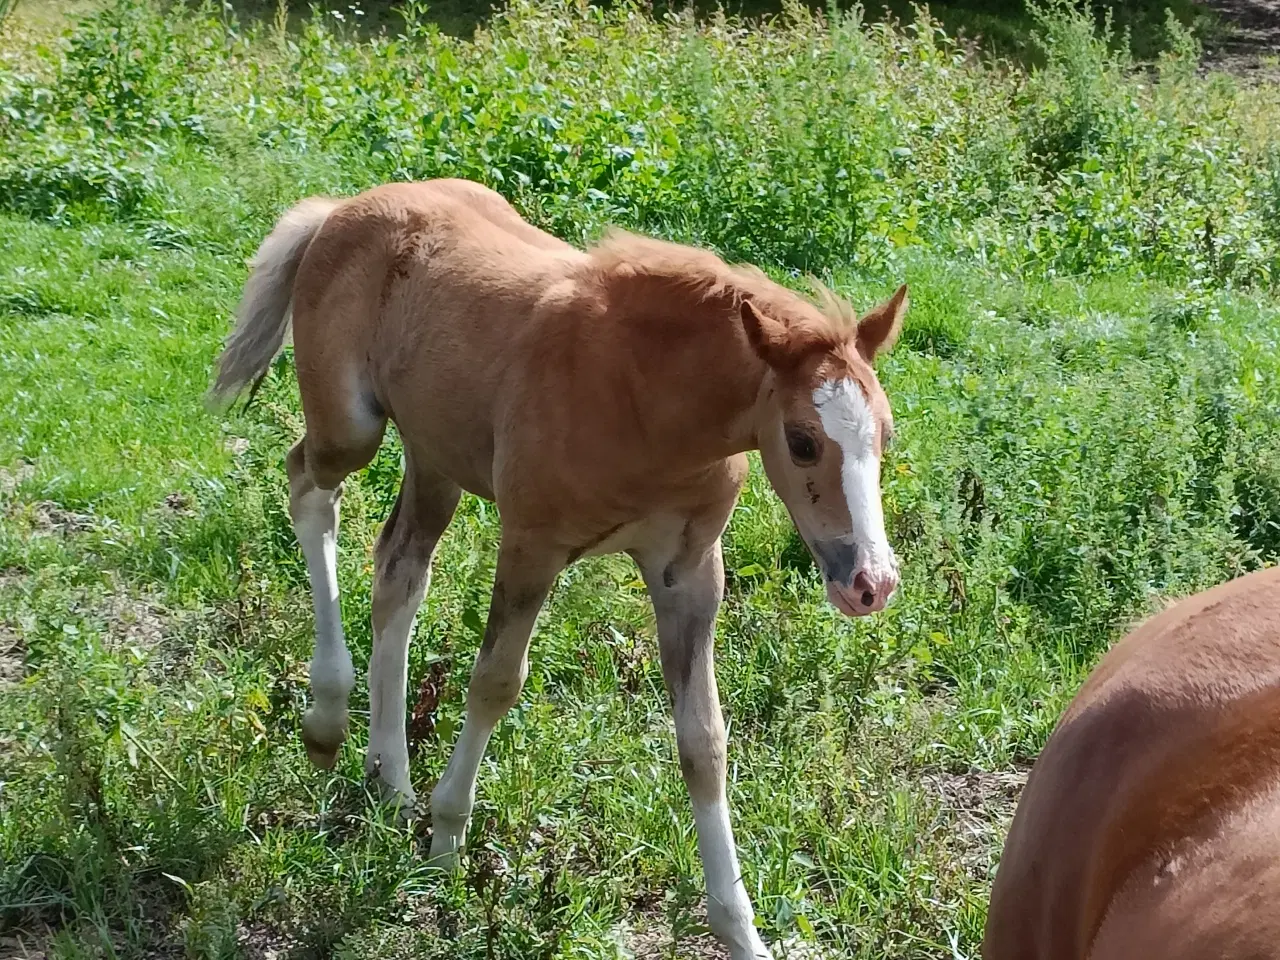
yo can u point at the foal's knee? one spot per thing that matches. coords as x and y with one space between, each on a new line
495 686
703 758
314 463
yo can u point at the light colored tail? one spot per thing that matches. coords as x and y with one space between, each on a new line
263 317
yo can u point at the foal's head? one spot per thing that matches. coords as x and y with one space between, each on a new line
826 425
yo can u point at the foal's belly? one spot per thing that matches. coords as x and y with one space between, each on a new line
629 536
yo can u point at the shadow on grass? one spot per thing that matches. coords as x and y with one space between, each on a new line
1002 27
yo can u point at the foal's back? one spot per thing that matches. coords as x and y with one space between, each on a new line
1151 823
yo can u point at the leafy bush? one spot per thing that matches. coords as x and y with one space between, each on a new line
803 143
89 178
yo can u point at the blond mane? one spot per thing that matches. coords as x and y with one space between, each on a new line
621 256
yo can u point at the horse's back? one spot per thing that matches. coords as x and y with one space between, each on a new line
1136 798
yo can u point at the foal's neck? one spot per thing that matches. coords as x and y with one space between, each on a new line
699 387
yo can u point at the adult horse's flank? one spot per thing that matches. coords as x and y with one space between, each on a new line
1150 826
605 400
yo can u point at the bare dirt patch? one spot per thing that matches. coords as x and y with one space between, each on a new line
131 620
43 517
125 617
31 944
979 806
49 518
259 941
649 937
1250 40
12 656
179 503
13 649
13 477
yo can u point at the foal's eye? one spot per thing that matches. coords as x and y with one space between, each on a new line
803 446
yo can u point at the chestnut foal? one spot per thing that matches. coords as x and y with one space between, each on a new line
605 401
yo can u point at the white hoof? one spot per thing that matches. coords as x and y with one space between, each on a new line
752 949
393 784
446 848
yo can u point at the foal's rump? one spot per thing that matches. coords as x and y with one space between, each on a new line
336 266
408 302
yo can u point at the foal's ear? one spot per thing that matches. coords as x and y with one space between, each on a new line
769 338
878 330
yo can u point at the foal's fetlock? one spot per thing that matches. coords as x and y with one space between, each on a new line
733 926
750 951
404 804
446 853
394 789
450 814
323 733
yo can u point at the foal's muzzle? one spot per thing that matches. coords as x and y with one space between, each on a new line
858 583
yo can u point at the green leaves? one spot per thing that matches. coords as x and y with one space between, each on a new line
586 117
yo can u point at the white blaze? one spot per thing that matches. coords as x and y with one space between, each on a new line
848 421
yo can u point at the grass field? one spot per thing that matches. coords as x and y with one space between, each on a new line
1087 397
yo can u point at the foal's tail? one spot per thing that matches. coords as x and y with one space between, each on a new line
263 316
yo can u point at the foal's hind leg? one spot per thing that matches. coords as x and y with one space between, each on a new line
317 466
403 571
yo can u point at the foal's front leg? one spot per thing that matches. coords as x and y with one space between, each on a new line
524 578
686 597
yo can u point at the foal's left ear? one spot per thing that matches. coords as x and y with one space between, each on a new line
878 330
769 338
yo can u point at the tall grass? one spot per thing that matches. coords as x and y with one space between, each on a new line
1086 392
796 142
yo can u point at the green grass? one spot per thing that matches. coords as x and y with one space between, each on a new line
1086 397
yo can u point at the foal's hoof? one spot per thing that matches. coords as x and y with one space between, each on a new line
406 808
444 862
446 850
323 737
403 801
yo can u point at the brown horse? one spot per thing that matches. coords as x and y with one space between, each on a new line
605 401
1150 826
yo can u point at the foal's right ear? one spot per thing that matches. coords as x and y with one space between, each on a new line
769 338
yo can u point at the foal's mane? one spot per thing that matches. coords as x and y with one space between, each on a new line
671 271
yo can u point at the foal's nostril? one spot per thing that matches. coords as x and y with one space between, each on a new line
862 583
